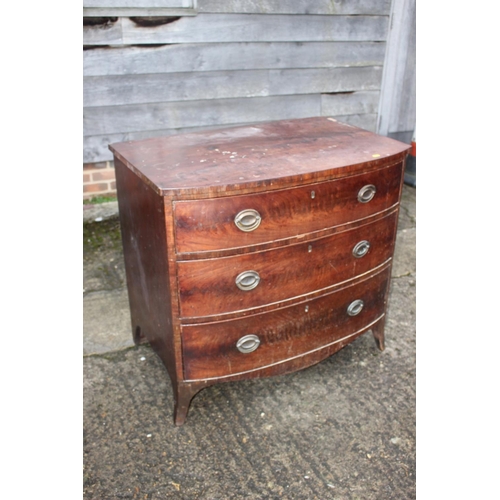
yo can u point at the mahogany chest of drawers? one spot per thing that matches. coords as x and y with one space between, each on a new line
257 250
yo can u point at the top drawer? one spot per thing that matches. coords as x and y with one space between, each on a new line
243 221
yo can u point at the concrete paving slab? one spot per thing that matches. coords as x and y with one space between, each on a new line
405 253
100 211
106 321
408 210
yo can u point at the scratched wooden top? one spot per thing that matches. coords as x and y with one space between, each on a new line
264 155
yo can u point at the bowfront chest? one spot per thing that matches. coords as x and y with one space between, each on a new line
257 250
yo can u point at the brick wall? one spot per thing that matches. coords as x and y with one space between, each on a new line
98 179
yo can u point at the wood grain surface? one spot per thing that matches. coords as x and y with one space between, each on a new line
260 155
209 350
178 197
240 28
207 286
207 225
144 239
202 57
174 87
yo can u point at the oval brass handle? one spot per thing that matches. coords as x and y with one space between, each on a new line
247 280
247 220
248 343
366 193
355 307
361 249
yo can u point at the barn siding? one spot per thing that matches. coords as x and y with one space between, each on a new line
397 107
232 63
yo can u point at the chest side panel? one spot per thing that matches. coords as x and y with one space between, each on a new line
144 238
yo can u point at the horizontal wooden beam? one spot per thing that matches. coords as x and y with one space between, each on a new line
168 87
146 4
224 28
137 12
155 116
350 103
332 7
180 58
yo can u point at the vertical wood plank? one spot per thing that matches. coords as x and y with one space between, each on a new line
397 101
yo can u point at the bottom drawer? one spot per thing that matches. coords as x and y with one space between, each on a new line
219 349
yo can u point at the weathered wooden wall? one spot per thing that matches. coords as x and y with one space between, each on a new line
397 106
156 67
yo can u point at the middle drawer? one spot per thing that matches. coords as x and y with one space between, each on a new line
211 287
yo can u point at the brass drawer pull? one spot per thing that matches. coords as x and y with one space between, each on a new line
361 249
247 280
366 193
355 307
248 343
247 220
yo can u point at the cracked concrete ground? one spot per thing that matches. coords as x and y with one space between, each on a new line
342 429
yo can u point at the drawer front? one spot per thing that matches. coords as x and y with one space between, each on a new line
228 284
215 349
242 221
